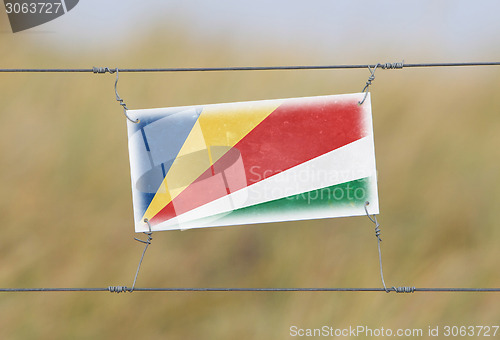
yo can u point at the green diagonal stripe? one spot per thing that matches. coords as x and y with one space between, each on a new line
350 193
353 193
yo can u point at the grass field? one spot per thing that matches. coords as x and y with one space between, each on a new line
66 210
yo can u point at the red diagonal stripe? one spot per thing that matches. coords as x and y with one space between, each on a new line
291 135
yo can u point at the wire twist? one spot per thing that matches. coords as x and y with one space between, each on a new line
385 66
368 83
122 289
404 289
102 70
147 242
120 100
377 235
374 220
118 289
392 66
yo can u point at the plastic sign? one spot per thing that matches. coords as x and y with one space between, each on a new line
252 162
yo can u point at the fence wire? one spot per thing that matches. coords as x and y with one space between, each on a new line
397 65
124 289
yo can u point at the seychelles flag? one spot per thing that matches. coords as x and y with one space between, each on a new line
252 162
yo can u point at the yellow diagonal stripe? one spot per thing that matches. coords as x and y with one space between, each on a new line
218 125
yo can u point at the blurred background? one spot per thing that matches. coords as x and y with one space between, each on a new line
65 199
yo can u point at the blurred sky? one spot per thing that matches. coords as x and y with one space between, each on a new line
445 30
